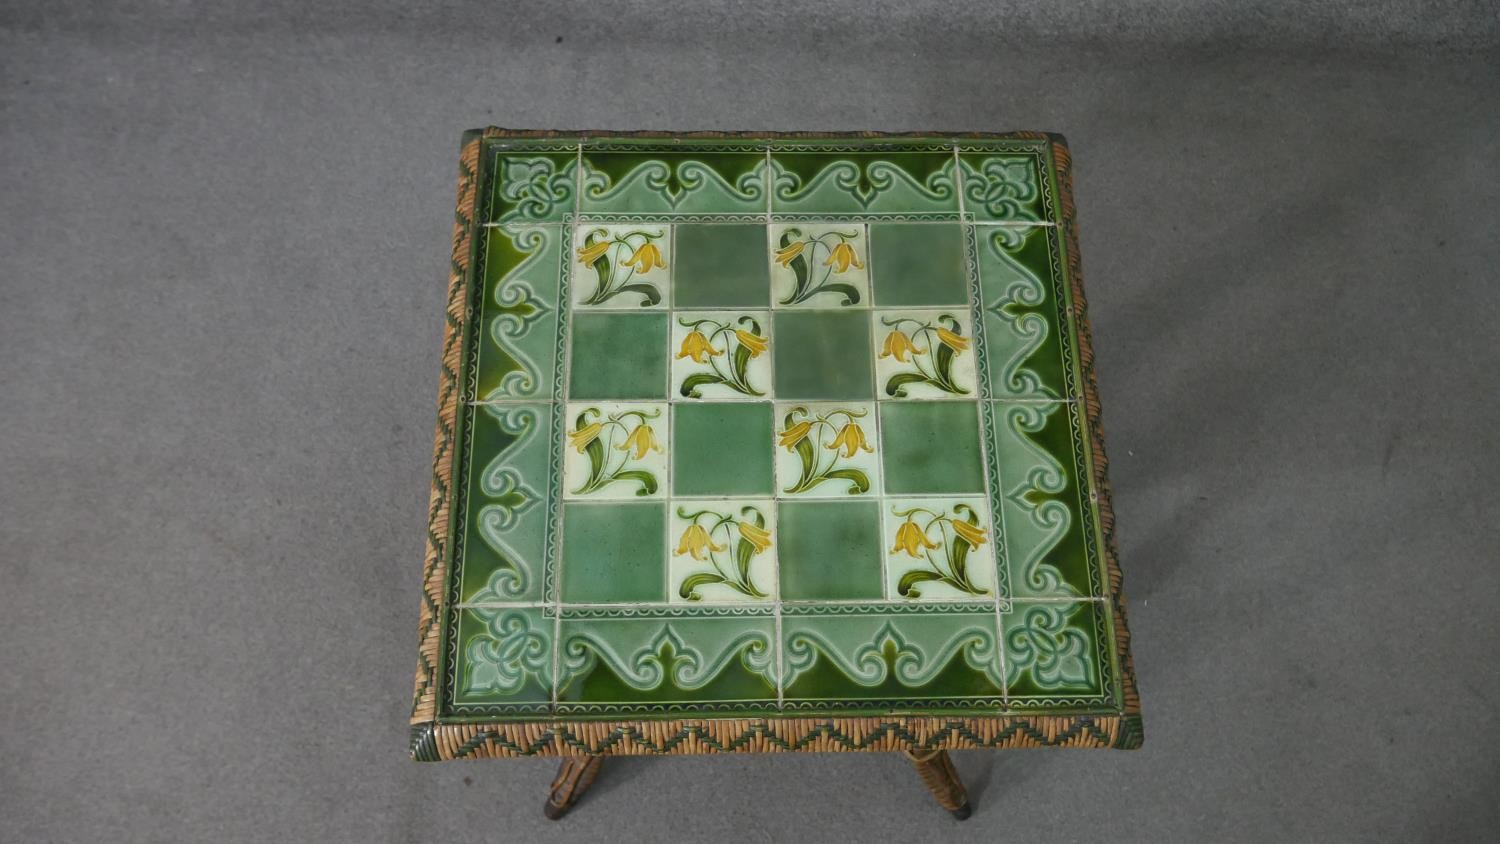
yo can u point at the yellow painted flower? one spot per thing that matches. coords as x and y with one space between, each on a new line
756 536
852 438
953 341
785 254
646 257
842 258
589 254
695 346
909 538
972 534
754 342
898 344
695 540
581 438
643 439
795 434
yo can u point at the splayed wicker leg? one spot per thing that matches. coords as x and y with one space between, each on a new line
573 779
938 773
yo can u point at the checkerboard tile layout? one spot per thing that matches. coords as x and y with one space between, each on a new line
746 424
772 420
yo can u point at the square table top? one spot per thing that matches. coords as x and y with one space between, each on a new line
768 442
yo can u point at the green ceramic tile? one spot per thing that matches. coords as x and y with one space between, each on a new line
902 185
722 448
1006 187
1026 337
614 553
829 550
827 450
891 660
721 355
655 664
532 186
925 354
518 313
1047 512
820 265
823 355
655 182
1052 654
723 552
503 660
619 356
621 266
918 264
615 450
764 427
939 549
505 517
931 447
721 266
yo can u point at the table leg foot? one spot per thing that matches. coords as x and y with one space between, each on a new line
573 779
940 777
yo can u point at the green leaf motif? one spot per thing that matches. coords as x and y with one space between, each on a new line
896 386
945 366
740 363
742 553
692 583
691 383
648 292
809 462
906 587
797 265
641 476
849 291
859 482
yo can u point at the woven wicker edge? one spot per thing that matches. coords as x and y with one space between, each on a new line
433 741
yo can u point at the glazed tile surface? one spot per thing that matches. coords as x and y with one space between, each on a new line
759 427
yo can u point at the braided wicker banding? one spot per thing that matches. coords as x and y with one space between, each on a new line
925 736
574 777
938 774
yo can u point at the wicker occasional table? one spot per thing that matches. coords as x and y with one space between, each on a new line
767 442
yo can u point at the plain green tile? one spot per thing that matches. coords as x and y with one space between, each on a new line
823 355
722 448
619 356
614 553
931 447
721 266
829 550
918 264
